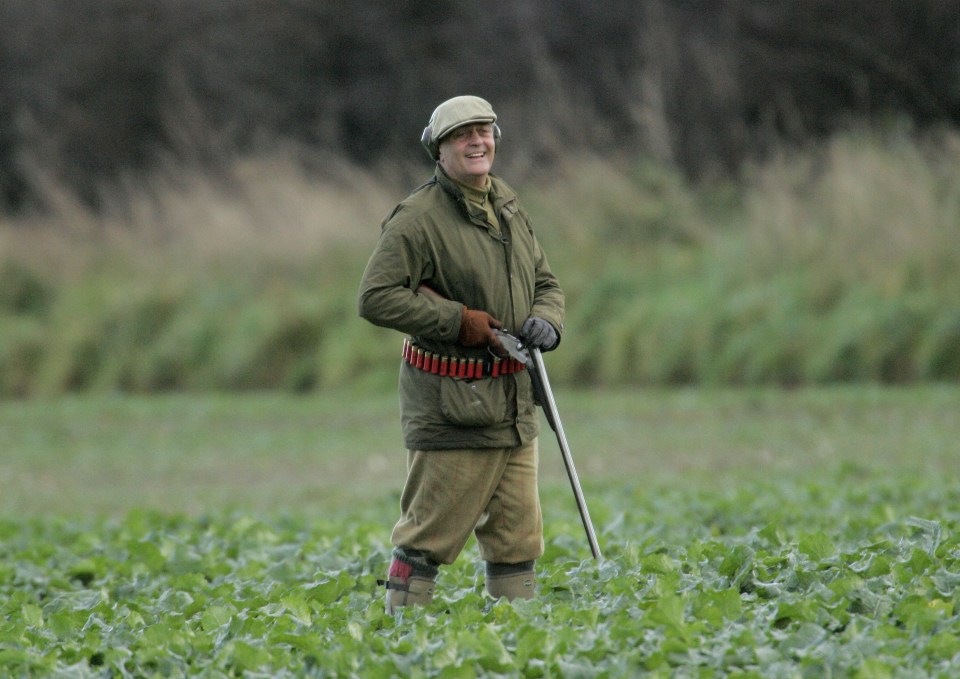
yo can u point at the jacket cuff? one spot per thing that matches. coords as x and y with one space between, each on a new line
449 318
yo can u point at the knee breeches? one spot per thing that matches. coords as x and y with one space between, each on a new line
491 493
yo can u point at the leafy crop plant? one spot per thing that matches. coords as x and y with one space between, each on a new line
787 579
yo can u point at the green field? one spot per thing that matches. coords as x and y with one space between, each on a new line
92 455
758 533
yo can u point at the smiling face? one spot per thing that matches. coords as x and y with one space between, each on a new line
466 154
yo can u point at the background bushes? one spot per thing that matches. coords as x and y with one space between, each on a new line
93 89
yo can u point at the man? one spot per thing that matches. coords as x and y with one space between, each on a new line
456 260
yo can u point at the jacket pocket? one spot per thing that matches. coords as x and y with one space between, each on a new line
476 403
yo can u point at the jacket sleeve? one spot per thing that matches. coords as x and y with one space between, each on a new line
548 297
388 296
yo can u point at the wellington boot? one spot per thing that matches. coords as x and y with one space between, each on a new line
415 591
513 586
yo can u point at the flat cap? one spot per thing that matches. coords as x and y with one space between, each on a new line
454 113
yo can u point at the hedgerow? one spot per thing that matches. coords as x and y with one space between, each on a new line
835 265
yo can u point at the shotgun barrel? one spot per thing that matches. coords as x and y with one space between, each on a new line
549 405
543 394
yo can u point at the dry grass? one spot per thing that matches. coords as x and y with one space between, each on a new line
834 264
264 207
863 207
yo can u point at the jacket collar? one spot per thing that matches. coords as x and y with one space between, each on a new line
500 193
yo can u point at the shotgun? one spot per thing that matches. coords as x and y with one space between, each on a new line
532 357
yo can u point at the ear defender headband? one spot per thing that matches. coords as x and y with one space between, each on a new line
433 145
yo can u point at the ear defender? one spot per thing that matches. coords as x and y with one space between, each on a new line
425 140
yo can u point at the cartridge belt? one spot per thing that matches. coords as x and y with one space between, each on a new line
455 366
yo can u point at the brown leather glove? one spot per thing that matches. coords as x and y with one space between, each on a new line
476 329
